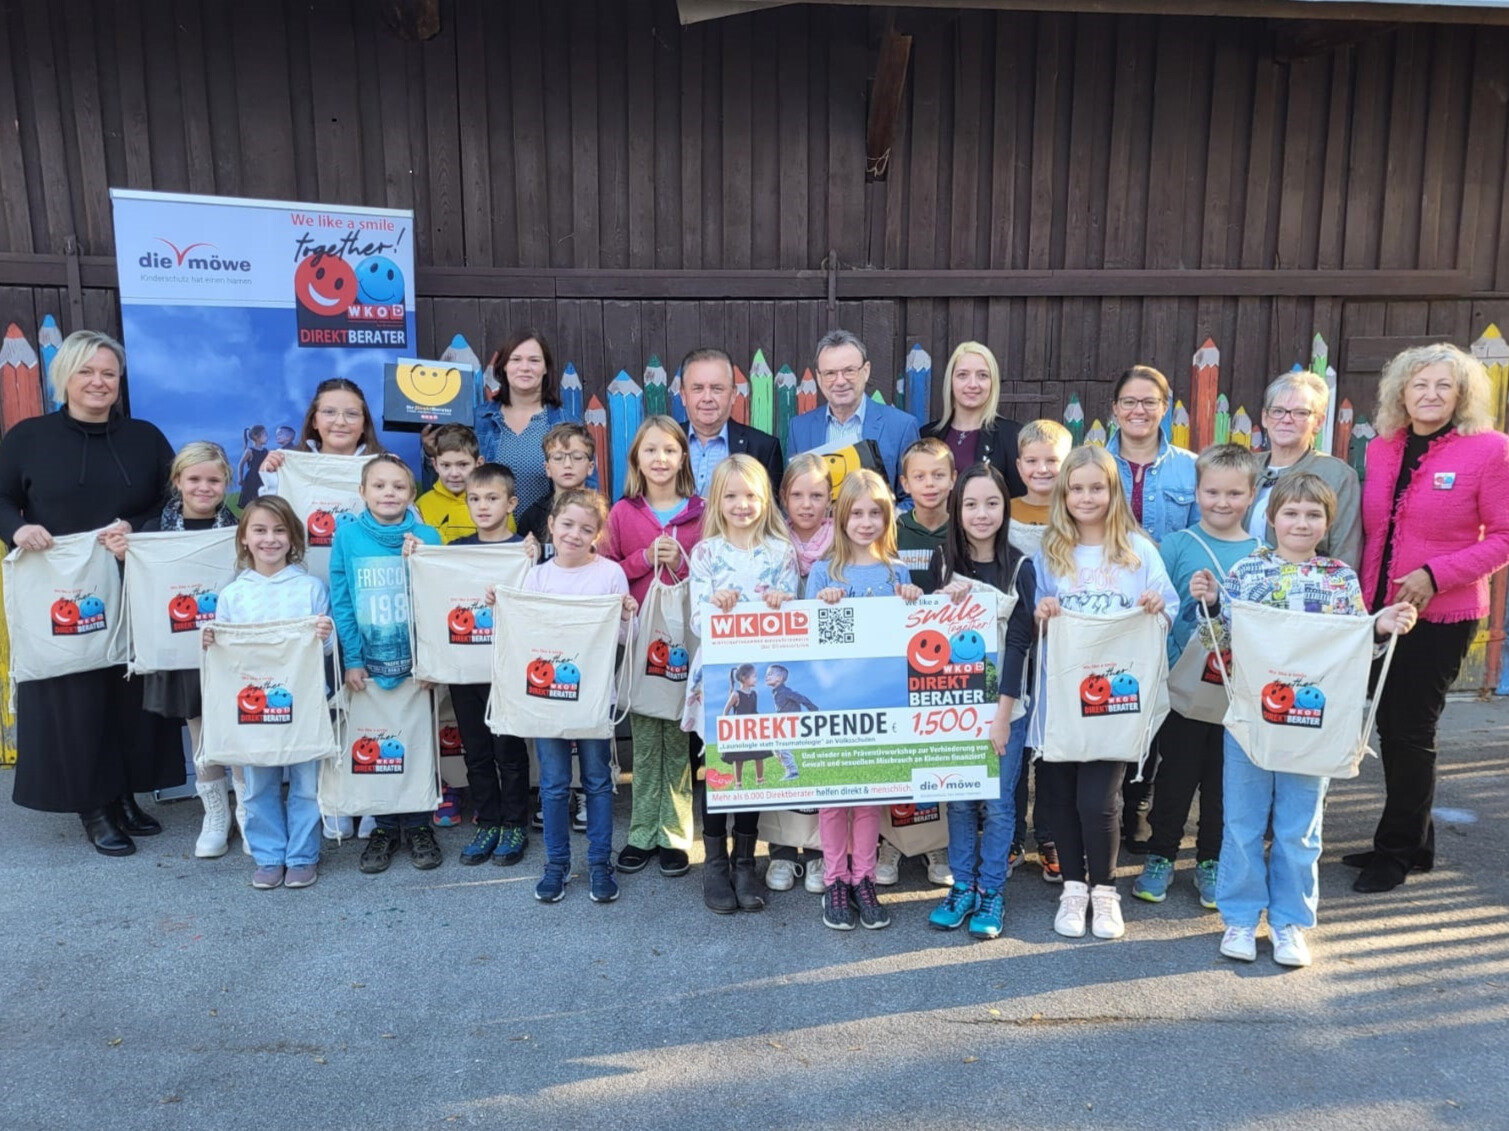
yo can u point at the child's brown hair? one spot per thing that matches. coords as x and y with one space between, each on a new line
563 433
279 508
453 438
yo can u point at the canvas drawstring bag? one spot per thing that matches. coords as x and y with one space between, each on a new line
324 491
556 683
387 762
62 609
170 592
451 625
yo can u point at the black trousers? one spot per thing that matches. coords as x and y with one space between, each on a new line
716 823
1193 756
1042 831
497 765
1426 663
1085 815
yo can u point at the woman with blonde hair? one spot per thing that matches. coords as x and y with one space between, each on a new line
1435 525
971 424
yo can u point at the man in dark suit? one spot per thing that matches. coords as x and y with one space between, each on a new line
707 391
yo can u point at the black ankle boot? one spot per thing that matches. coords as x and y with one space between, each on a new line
717 889
129 816
102 833
746 880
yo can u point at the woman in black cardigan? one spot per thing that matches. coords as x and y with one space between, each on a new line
84 745
970 426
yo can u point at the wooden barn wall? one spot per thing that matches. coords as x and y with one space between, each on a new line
606 152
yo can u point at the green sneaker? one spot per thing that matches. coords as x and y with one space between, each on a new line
957 906
1157 874
1206 872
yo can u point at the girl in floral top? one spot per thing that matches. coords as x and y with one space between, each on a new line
1286 885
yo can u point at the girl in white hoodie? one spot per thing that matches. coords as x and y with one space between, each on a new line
272 585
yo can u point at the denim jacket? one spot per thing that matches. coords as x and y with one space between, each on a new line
488 424
1168 488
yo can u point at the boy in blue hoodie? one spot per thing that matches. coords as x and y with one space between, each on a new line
369 601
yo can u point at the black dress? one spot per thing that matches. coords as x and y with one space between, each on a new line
83 740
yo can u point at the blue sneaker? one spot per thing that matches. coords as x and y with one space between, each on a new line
604 886
482 845
986 922
1157 874
510 847
957 906
1206 872
552 885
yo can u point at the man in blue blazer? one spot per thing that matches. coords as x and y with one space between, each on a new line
843 371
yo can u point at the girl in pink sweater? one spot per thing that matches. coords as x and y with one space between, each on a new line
651 532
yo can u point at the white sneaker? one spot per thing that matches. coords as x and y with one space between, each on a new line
364 830
1240 943
215 833
237 784
1105 901
335 828
782 874
887 864
939 874
1073 905
814 879
1290 948
579 819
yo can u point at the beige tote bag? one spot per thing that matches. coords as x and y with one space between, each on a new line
1299 689
796 828
170 591
1103 681
659 661
1196 688
62 606
448 741
451 626
552 673
324 491
263 687
387 761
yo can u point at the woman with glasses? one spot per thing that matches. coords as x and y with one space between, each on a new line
970 424
1294 411
1158 478
511 428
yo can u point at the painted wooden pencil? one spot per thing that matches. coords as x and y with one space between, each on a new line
785 401
677 405
460 352
596 419
1493 351
1205 376
1096 434
625 414
900 401
1223 421
761 394
571 393
1344 416
806 393
1357 446
49 341
741 397
656 393
919 382
1074 419
1179 429
1241 427
20 386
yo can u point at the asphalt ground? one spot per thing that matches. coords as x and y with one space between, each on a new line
161 991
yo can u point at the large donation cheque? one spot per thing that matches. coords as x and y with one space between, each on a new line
865 702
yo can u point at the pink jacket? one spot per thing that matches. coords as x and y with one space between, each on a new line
632 526
1453 517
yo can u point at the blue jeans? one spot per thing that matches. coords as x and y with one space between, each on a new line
278 834
983 864
1286 885
555 797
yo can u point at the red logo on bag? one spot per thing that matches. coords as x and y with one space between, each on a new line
557 678
667 660
264 701
909 816
377 752
1212 670
470 623
1293 704
450 741
192 609
76 615
1111 692
321 525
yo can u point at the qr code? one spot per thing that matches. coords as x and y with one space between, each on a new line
835 626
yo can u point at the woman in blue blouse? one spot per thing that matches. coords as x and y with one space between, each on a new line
511 429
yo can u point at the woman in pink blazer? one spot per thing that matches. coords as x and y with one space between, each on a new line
1435 521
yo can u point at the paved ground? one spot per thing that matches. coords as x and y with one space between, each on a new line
163 992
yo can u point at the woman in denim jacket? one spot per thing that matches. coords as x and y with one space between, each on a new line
1158 478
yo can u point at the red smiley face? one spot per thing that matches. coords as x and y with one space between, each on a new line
183 608
659 653
540 673
325 284
65 613
927 652
450 739
1213 667
1095 689
462 621
252 701
1278 698
321 524
365 750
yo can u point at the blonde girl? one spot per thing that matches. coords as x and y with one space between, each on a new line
1094 560
807 495
745 555
862 563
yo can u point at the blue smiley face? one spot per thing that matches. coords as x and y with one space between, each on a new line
91 606
679 658
483 617
568 674
1124 684
279 697
966 647
379 281
391 748
207 603
1309 698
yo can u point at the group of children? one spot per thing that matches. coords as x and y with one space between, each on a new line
1068 544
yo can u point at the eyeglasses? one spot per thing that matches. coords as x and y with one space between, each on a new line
568 457
1298 415
850 372
353 414
1146 404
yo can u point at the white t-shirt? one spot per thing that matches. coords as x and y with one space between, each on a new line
1257 523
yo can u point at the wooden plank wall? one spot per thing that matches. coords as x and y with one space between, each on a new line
601 135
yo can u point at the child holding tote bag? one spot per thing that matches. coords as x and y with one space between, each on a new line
1093 560
1292 577
651 532
273 585
370 600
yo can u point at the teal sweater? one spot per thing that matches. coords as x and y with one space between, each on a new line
369 595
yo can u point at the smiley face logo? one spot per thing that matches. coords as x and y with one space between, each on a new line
90 607
540 673
1309 698
966 647
461 622
1212 673
379 282
183 609
392 749
659 653
321 524
483 617
568 674
251 701
450 739
678 657
65 614
208 603
1123 684
324 284
927 652
366 751
279 697
1278 698
1095 690
429 384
